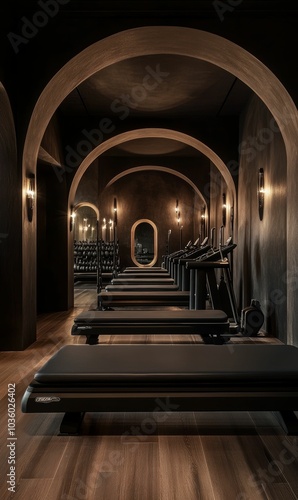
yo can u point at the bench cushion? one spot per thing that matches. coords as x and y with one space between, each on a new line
134 317
142 288
144 363
146 298
183 322
143 281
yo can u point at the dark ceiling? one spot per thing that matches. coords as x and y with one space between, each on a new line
161 87
158 87
165 86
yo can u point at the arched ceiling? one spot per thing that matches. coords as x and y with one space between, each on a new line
162 86
151 88
143 69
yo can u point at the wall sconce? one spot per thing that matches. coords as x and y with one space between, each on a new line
177 213
203 221
115 211
224 209
72 218
30 196
261 193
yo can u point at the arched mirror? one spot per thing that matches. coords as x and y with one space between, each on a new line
144 243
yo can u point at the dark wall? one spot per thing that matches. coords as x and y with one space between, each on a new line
150 195
41 55
52 245
10 235
89 186
261 253
218 188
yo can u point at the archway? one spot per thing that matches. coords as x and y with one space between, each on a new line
155 133
85 221
192 43
163 40
169 171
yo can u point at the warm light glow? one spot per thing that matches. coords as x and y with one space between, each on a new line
261 193
72 218
30 195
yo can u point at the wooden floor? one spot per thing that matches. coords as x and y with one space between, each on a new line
181 456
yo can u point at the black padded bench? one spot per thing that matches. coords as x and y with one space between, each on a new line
107 299
142 288
130 276
208 323
147 270
142 281
113 378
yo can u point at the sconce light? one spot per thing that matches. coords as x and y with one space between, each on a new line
261 193
30 195
72 218
115 211
203 220
224 210
177 212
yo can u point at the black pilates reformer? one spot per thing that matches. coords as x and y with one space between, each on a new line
134 298
150 378
147 270
117 295
210 324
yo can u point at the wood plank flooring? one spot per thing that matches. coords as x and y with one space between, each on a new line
125 456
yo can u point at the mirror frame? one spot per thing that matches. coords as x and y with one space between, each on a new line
132 243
